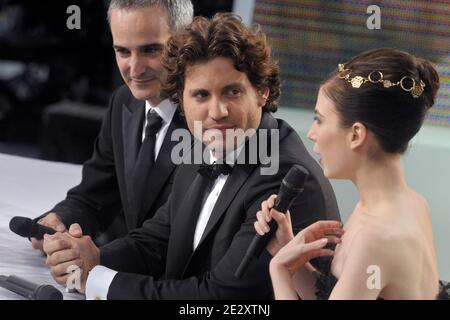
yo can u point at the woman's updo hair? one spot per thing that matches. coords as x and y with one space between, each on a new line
393 114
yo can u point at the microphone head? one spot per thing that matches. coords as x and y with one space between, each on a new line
296 177
22 226
48 292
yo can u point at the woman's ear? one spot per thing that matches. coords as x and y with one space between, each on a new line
358 135
263 94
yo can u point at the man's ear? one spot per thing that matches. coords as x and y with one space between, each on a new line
358 135
262 96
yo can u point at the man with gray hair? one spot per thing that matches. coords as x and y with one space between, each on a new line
179 13
130 173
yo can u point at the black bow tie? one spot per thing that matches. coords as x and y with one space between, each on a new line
212 171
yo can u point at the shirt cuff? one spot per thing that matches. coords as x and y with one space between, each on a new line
98 283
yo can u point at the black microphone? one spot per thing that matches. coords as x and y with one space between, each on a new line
291 186
28 228
30 290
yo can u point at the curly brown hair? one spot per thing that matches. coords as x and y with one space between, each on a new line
222 36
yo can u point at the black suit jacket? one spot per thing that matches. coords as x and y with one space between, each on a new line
157 261
104 191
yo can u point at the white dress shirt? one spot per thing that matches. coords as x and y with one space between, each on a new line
100 277
98 282
165 109
211 200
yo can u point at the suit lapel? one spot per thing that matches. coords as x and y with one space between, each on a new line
235 181
186 222
239 176
161 170
231 188
132 122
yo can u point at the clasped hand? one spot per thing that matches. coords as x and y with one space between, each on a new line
68 249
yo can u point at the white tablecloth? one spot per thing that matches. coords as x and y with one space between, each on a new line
29 187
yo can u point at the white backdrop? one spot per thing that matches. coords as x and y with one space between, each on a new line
28 188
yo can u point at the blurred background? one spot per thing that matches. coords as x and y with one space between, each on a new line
55 83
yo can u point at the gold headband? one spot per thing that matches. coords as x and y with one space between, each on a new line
416 89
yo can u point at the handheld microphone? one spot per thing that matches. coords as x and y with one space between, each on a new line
291 186
28 228
30 290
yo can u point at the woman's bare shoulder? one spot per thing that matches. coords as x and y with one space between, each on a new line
384 241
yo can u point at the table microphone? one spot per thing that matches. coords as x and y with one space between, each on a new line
30 290
291 186
29 228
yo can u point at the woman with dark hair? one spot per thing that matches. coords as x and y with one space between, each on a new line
367 111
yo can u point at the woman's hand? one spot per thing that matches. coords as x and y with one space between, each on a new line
284 232
308 244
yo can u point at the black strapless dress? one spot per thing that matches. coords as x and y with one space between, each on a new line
444 290
325 280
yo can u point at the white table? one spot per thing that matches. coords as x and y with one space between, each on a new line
29 187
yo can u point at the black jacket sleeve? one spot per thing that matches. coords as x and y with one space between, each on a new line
145 247
96 200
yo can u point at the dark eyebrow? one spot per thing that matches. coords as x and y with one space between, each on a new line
318 113
155 46
224 89
232 86
193 92
118 47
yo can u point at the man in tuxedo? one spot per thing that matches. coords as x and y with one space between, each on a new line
129 175
223 77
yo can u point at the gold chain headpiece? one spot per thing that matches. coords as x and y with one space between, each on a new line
416 89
